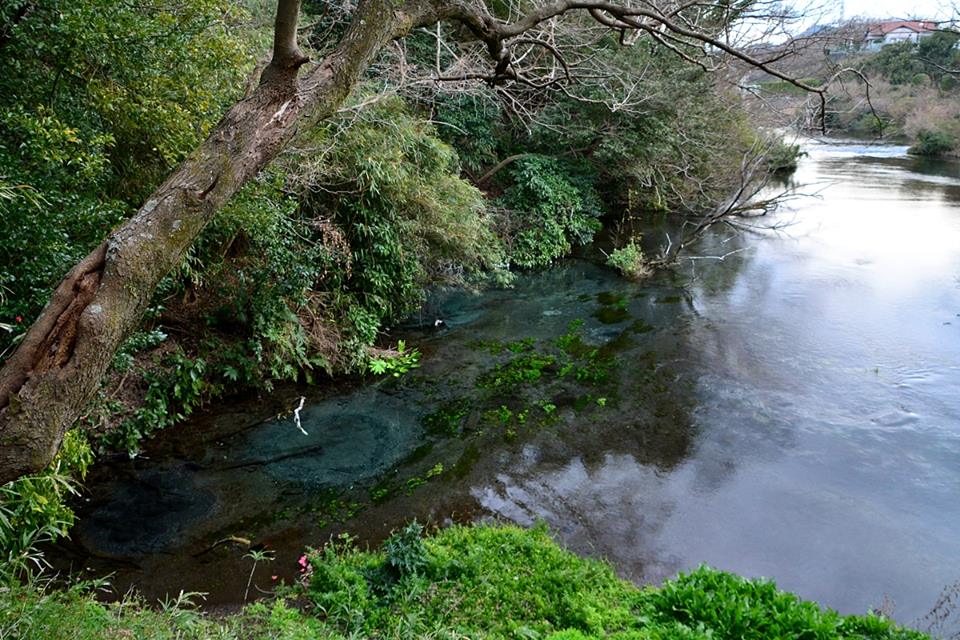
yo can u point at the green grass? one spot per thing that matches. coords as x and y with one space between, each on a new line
460 582
508 582
34 612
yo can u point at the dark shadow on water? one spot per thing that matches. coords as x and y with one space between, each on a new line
789 411
369 463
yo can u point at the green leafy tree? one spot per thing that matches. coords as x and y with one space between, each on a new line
58 366
99 101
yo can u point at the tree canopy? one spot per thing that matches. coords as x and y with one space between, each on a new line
108 98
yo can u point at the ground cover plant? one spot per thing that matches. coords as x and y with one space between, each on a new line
460 582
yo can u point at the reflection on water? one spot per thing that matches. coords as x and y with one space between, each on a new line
843 336
789 411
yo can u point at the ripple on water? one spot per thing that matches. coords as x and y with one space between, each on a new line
896 418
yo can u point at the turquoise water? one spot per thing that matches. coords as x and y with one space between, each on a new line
788 411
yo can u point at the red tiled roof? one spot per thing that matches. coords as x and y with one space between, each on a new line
883 28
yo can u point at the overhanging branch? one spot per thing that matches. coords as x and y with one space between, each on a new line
287 56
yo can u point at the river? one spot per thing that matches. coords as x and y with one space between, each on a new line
783 404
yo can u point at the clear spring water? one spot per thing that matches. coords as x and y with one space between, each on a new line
790 411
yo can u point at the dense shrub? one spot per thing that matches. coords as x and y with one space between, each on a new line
475 127
174 389
898 63
547 207
782 157
630 261
98 102
392 189
933 143
939 53
678 150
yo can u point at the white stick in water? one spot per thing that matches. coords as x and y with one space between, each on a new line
296 416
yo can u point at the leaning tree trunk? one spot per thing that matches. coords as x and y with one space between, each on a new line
57 369
48 381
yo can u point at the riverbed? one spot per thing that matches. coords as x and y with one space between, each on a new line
782 404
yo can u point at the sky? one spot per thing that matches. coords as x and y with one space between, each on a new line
824 12
891 8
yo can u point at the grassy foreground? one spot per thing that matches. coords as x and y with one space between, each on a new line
461 582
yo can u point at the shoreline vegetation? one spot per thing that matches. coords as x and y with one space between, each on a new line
476 581
914 90
296 278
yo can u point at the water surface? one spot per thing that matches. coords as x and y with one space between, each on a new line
788 411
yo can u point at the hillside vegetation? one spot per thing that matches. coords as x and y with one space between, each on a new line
914 92
341 237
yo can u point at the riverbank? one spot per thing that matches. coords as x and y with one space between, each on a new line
785 411
904 92
476 582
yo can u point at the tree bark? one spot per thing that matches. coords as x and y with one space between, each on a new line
287 57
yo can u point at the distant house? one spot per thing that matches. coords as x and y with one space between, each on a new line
894 32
